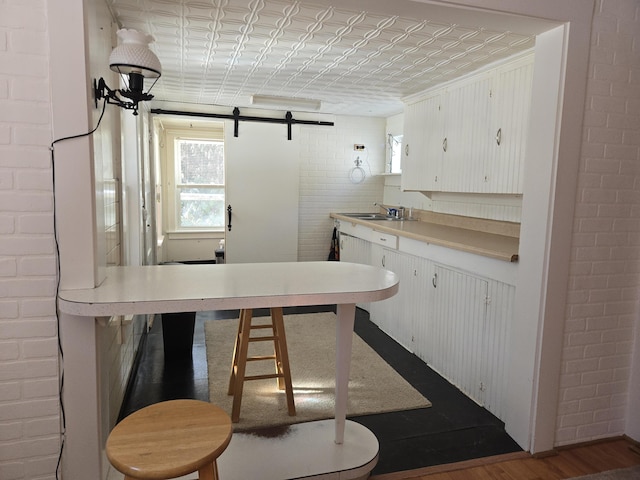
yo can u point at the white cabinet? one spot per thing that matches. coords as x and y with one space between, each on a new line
463 331
413 158
385 239
509 121
465 142
424 144
470 136
394 315
454 316
355 250
381 313
434 138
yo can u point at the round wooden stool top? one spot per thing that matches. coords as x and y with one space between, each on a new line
169 439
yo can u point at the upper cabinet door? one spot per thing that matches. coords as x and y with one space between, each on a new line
422 146
465 143
413 160
511 105
433 134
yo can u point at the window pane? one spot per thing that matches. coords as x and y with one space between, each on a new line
396 154
200 162
201 207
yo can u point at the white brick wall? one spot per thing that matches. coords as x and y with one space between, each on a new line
327 157
29 408
602 304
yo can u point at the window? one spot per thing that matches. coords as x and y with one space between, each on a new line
395 153
199 184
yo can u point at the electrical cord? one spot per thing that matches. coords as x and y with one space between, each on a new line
58 272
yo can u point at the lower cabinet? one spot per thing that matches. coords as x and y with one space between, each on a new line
355 250
455 321
453 341
400 315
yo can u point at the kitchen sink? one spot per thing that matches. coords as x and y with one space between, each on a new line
371 216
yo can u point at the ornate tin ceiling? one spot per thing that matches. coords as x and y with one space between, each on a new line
357 57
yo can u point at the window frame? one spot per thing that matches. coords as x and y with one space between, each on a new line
171 175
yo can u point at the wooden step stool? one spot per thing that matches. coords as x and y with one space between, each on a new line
240 358
170 439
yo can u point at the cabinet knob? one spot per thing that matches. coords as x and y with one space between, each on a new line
499 136
406 150
434 280
444 144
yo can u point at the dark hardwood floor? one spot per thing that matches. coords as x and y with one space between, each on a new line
454 429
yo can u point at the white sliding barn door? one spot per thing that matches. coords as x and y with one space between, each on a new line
262 175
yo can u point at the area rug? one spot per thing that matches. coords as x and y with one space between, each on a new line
631 473
374 386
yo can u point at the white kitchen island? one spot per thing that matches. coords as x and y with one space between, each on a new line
179 288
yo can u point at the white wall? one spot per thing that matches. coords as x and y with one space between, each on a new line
602 304
327 158
29 409
119 337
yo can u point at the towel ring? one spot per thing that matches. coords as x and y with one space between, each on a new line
357 175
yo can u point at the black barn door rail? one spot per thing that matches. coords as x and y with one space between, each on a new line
237 118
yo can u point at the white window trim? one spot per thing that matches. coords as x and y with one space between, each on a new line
214 133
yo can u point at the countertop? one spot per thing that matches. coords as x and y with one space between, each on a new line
185 288
488 244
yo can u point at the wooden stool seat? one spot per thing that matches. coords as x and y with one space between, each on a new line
170 439
241 357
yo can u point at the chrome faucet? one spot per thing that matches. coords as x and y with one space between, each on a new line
389 210
393 212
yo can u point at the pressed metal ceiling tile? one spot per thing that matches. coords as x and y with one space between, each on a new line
356 61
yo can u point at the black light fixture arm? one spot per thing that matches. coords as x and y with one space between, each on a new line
132 96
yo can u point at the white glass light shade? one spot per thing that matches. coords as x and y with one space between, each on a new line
133 55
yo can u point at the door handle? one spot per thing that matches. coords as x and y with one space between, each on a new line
229 216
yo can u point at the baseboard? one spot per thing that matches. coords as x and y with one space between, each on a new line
591 442
555 450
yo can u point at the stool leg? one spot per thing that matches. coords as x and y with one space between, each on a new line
234 362
276 349
243 347
283 356
209 472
